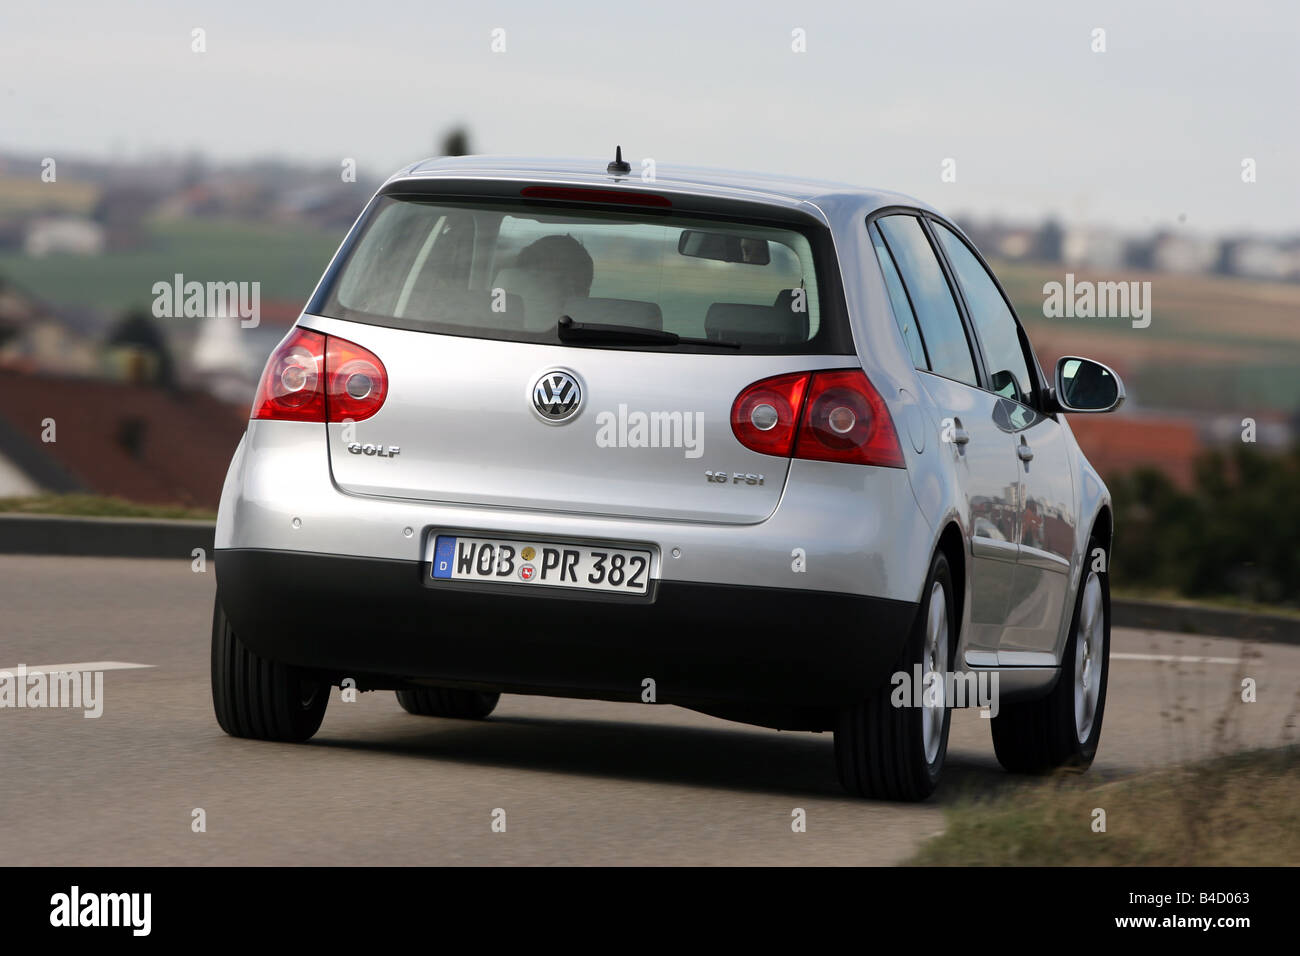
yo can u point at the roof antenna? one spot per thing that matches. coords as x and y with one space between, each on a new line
618 167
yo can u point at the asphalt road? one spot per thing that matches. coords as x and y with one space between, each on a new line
580 782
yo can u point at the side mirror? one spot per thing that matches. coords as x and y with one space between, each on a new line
1083 385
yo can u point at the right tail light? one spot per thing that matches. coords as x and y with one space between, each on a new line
834 415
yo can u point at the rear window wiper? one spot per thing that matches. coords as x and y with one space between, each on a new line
576 332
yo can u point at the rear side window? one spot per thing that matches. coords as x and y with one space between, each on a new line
512 271
903 314
927 288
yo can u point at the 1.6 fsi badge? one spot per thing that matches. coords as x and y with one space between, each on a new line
735 477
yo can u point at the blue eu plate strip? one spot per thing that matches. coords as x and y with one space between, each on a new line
444 553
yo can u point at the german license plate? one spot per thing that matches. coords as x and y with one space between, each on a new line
540 563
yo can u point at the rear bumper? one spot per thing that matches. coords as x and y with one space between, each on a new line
715 647
859 528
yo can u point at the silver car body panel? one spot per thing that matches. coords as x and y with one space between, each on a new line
466 428
864 530
279 496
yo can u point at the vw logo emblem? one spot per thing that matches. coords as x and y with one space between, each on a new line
557 396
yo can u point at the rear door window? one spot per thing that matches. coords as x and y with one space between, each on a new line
927 288
994 322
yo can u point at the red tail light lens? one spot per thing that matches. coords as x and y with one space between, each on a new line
312 377
356 381
823 416
765 415
845 419
291 388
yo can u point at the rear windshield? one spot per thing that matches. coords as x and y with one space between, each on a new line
504 271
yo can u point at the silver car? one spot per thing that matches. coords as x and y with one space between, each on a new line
774 450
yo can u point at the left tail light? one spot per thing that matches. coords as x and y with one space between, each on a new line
311 377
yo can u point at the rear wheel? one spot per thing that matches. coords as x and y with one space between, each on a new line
897 752
447 702
257 698
1063 728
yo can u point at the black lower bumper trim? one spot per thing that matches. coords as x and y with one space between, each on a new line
715 647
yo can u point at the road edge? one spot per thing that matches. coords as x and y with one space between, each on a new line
72 536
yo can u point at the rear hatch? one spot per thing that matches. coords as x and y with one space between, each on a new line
575 357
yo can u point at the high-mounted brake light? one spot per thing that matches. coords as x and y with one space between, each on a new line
312 377
824 416
622 197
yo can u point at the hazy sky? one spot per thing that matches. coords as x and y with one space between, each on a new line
1152 129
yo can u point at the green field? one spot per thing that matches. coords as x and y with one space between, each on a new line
286 260
1214 343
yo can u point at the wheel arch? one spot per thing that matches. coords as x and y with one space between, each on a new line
952 545
1103 529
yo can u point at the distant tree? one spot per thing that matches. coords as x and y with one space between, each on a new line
137 329
1140 253
1048 241
455 142
1232 533
194 170
1223 261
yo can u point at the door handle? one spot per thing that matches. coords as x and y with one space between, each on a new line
1025 452
960 436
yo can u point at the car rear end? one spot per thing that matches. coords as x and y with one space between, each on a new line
465 470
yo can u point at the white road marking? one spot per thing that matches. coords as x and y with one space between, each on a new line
74 668
1171 658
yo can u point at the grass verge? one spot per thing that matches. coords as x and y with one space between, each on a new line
1239 810
1215 601
96 506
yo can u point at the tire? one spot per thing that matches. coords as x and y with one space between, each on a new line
261 699
447 702
1062 729
897 753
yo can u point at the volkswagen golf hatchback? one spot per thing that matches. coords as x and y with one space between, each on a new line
774 450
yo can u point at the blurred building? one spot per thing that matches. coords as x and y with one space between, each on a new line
1259 259
63 234
122 211
36 335
1119 443
220 356
132 441
1185 254
1093 248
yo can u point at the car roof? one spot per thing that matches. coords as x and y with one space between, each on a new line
691 180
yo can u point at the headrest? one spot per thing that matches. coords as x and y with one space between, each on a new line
641 315
757 324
